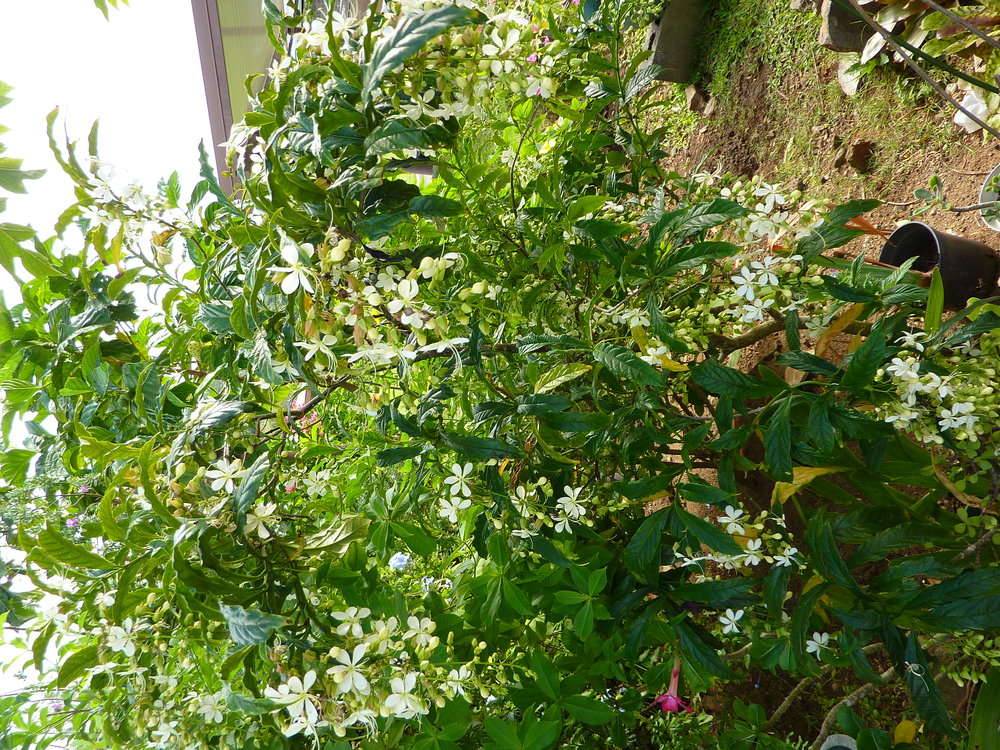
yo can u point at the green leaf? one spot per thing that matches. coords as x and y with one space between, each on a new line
433 206
584 205
559 375
588 710
707 534
245 704
480 448
417 539
546 676
12 177
626 364
832 233
575 421
583 623
935 303
516 598
865 361
808 363
725 381
778 441
392 456
642 554
700 654
76 665
106 513
41 644
825 556
504 733
249 626
61 549
923 689
691 256
415 30
984 730
246 492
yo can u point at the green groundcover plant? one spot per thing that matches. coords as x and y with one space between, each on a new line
360 458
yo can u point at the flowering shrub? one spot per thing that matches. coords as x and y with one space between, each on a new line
482 459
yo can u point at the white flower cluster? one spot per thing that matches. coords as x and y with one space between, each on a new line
928 404
382 670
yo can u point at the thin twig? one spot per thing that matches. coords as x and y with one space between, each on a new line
849 701
938 88
977 545
974 207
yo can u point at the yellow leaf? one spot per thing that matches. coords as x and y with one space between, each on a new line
640 337
905 731
848 316
801 476
160 239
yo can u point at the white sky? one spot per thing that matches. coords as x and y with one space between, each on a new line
138 73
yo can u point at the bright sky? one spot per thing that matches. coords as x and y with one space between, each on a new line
138 73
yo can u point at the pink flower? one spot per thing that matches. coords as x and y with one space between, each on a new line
291 487
536 28
533 57
72 522
669 702
545 40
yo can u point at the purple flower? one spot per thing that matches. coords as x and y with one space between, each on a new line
72 522
533 57
545 40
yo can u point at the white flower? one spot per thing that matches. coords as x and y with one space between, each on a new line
817 643
754 312
261 514
350 621
164 733
912 339
903 415
562 524
420 105
731 520
120 638
225 475
444 345
729 620
210 707
399 561
906 370
407 289
454 685
300 705
766 276
452 506
744 281
297 273
786 558
402 703
348 674
570 505
500 47
104 599
319 346
771 197
459 480
542 87
421 630
520 500
959 416
753 554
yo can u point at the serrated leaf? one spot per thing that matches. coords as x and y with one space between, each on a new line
626 364
249 626
725 381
